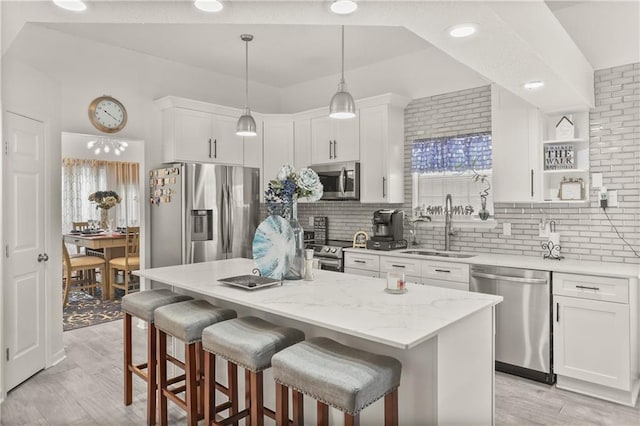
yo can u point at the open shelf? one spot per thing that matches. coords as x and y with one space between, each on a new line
566 171
565 141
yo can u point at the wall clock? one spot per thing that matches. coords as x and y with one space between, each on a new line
107 114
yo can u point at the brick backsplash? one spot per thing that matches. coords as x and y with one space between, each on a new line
585 231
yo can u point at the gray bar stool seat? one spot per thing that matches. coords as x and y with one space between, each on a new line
185 321
336 375
142 305
250 343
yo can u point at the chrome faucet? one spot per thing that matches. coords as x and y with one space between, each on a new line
448 213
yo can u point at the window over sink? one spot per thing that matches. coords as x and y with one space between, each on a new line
457 165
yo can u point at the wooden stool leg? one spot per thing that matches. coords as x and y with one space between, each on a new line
391 409
247 395
282 405
350 420
128 375
200 377
257 401
298 408
191 384
152 378
162 376
232 383
209 388
323 414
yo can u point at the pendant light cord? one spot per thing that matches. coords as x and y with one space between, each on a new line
342 75
246 74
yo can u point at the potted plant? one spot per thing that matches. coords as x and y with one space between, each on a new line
483 213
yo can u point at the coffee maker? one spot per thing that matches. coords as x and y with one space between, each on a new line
388 230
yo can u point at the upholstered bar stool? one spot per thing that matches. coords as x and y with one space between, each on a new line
335 375
248 342
185 321
142 305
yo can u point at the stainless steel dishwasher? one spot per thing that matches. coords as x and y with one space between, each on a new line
523 319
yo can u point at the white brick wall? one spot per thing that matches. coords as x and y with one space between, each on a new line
585 232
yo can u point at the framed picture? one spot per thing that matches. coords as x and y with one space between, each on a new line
559 157
570 190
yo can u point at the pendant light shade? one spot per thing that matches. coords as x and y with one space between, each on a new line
246 124
342 104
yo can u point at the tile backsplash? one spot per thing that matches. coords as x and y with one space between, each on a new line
585 232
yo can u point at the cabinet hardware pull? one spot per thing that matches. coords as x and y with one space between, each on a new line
384 189
335 151
398 266
209 147
588 288
532 182
557 312
215 148
330 152
359 261
443 270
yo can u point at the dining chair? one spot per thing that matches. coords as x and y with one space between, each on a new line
79 226
130 261
79 272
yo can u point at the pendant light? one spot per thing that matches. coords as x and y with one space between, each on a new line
246 124
342 104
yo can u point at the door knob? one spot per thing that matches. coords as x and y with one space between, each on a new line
46 257
40 257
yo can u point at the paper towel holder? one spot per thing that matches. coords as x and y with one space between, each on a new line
552 249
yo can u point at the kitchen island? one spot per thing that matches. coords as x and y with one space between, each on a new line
444 338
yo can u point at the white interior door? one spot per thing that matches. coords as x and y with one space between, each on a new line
24 291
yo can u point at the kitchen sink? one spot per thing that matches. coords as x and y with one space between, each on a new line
438 253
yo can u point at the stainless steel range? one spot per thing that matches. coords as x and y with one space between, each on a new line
329 254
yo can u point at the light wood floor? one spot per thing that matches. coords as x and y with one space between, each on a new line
86 389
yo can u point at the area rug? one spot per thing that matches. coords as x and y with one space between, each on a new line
84 310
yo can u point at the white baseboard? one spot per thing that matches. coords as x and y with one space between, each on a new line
58 357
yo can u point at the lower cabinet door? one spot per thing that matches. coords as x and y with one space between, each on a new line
591 341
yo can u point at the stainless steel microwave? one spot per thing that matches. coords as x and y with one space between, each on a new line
340 181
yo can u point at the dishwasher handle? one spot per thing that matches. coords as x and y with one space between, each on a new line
509 278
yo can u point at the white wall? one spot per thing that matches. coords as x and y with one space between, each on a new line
31 93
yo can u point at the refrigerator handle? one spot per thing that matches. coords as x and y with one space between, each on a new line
223 220
229 220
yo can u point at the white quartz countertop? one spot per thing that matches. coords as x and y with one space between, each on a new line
525 262
346 303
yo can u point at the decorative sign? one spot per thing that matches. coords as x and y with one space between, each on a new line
571 189
559 157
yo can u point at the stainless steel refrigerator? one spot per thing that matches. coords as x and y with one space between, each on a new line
202 212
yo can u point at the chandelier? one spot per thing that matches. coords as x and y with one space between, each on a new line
106 145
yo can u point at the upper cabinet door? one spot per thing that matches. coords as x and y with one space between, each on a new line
516 130
373 166
228 148
334 141
192 135
302 144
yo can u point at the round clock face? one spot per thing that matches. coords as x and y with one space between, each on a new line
107 114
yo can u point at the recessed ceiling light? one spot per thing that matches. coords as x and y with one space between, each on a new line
209 5
73 5
463 30
533 84
343 7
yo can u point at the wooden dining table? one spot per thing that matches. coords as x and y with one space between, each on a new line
112 244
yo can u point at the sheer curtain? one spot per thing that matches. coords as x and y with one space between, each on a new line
83 177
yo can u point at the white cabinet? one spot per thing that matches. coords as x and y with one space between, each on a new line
200 132
334 140
595 339
382 150
278 147
302 143
591 341
516 130
421 271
